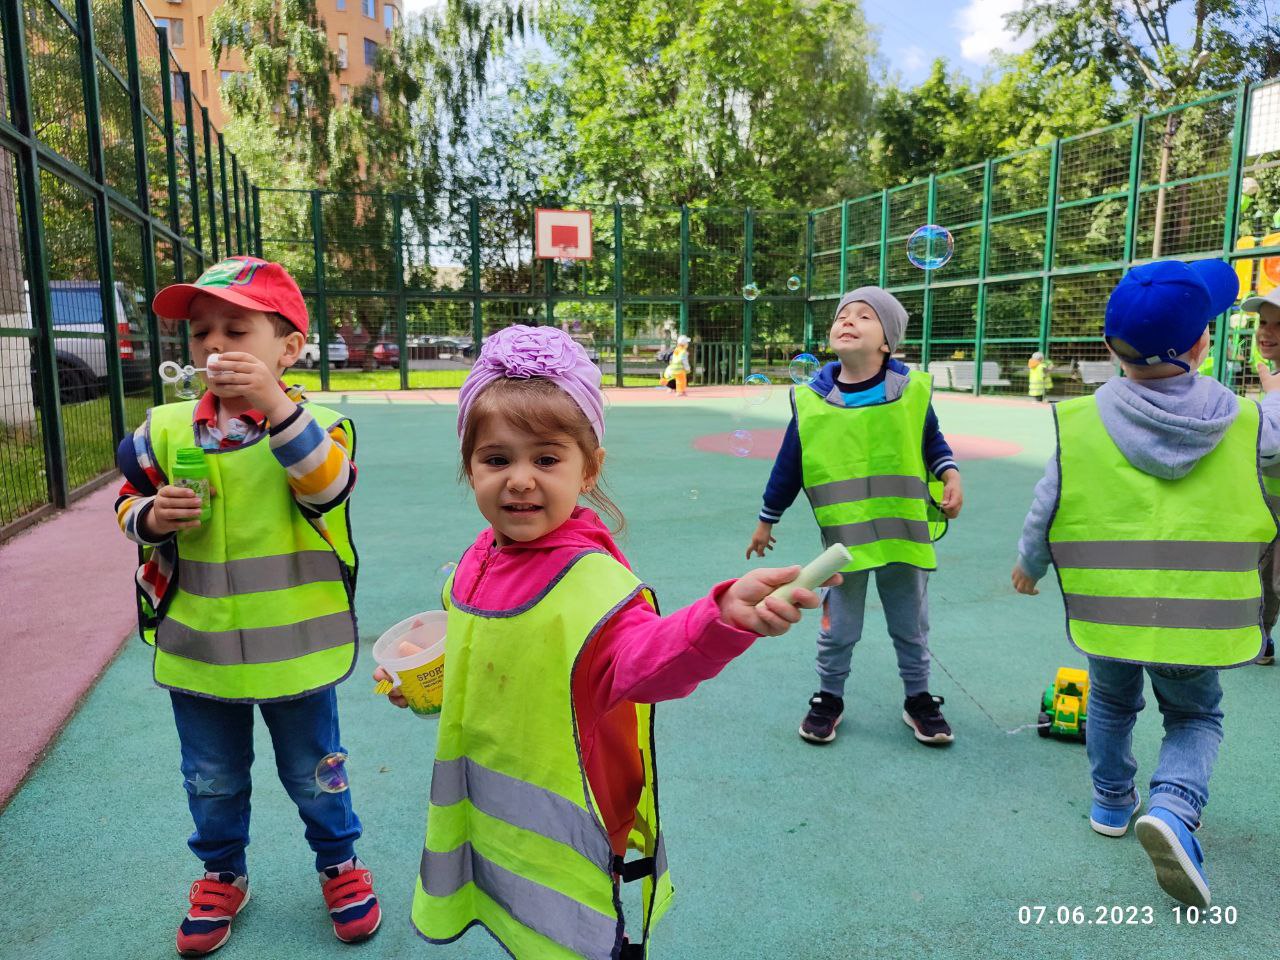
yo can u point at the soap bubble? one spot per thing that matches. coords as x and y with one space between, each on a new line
750 291
793 283
1249 186
444 572
930 247
331 773
187 387
693 494
741 443
804 367
756 389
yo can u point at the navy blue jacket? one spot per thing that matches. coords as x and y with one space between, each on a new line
785 481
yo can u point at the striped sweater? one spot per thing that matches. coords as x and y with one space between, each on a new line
317 466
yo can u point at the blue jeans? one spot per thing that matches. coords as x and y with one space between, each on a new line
1188 699
217 752
903 591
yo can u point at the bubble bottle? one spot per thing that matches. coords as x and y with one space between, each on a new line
191 470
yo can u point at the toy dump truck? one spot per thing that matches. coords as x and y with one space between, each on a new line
1063 707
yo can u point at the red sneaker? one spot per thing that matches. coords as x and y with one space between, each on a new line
353 906
216 898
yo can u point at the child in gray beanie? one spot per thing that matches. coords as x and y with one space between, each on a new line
863 443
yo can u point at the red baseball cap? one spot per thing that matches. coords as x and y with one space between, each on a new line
244 281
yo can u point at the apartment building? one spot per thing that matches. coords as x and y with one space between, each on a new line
356 28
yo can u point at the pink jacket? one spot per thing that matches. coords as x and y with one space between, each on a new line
637 657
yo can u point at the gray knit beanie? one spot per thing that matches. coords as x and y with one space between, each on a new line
892 314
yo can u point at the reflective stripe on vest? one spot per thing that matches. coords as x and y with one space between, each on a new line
259 607
1271 483
1193 601
865 477
514 840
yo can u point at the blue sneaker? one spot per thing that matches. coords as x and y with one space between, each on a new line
1176 855
1114 821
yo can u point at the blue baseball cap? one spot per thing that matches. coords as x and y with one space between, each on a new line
1158 310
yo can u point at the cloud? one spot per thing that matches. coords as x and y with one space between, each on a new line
981 23
913 58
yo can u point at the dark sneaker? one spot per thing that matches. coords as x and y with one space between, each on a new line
825 711
920 712
1268 655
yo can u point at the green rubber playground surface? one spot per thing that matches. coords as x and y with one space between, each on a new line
873 846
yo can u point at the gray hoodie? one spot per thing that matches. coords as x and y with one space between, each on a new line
1163 428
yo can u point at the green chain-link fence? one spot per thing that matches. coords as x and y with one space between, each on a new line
112 184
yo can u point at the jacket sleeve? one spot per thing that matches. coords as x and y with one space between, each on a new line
142 480
1033 547
321 473
786 479
646 658
937 452
1269 442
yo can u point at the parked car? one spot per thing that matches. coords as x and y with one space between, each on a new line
310 356
453 347
82 360
369 353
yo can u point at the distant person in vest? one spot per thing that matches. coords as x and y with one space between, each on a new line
1153 514
252 605
1040 379
544 775
1266 352
864 445
678 368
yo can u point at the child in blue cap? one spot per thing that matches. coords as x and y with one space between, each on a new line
1153 514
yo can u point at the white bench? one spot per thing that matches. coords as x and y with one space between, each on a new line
959 374
1095 371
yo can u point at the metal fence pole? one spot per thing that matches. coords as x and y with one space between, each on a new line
844 247
883 279
241 245
748 278
321 317
1231 225
402 303
1135 182
197 223
101 219
226 203
170 151
477 316
684 270
55 452
257 223
619 330
144 191
215 246
1050 229
808 283
984 246
926 336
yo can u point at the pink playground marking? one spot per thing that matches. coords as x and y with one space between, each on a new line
767 442
68 602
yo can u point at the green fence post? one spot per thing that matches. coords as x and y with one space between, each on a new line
808 283
55 453
226 202
257 223
189 113
477 318
984 246
618 329
1135 181
214 246
748 277
1231 226
844 246
883 279
241 246
402 302
170 147
684 269
144 190
322 307
101 218
1050 229
926 335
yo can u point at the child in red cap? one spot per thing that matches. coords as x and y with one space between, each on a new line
252 604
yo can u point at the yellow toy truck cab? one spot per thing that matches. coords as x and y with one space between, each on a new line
1063 708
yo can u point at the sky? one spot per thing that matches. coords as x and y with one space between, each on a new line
965 34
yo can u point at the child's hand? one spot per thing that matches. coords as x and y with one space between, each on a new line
173 509
762 540
748 606
395 696
244 375
1270 381
1023 583
952 494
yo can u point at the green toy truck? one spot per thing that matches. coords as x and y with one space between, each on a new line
1064 704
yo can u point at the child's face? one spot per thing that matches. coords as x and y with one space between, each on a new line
221 327
857 331
525 485
1268 335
